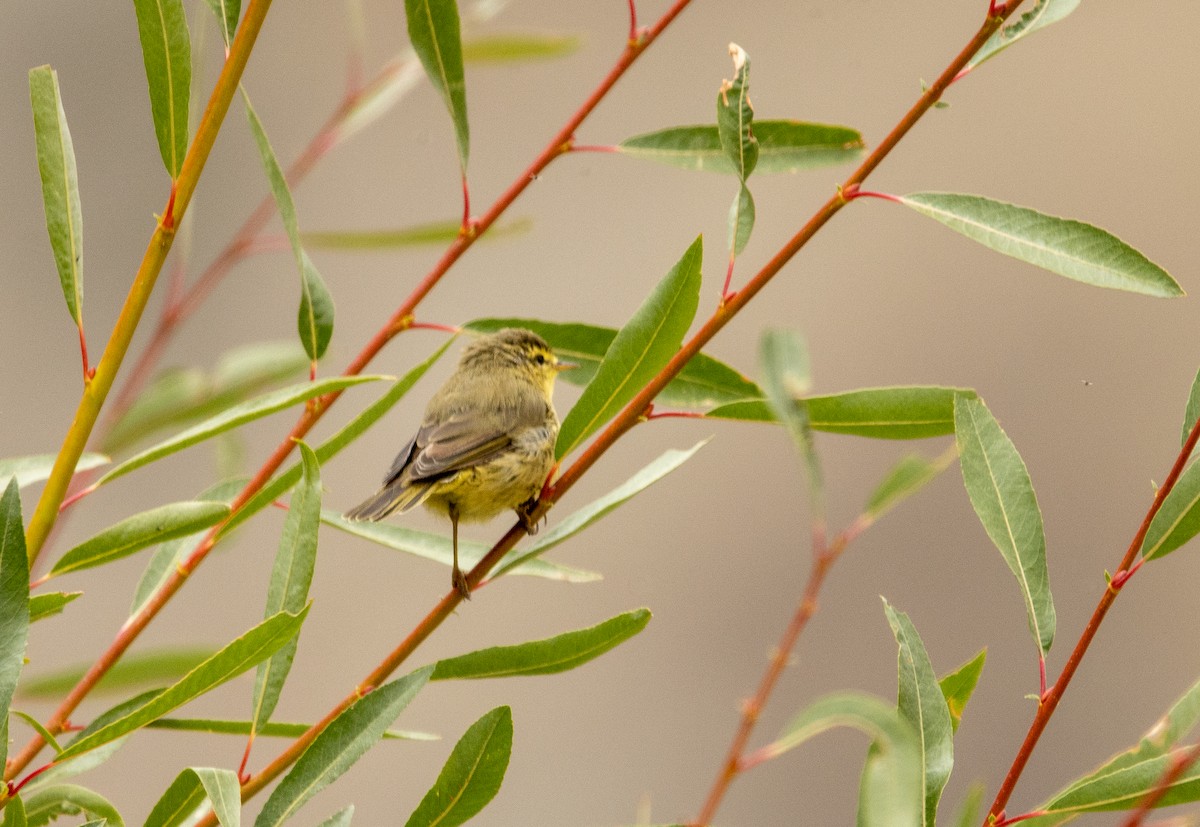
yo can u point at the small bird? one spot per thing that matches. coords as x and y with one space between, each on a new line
486 442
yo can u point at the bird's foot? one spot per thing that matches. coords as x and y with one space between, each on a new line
525 515
459 581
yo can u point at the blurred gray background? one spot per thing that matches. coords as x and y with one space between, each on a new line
1093 119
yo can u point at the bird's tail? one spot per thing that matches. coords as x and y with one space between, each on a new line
395 496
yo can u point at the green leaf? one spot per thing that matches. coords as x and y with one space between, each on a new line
180 396
892 787
593 511
783 146
47 605
958 686
917 412
438 548
433 28
472 774
168 556
273 729
437 232
1178 519
544 657
230 418
735 116
1043 13
639 351
331 447
227 13
291 577
60 185
340 745
189 790
515 47
1001 492
1190 415
315 317
968 811
907 477
339 819
1069 248
158 666
14 813
37 727
741 220
703 382
167 53
247 651
923 705
139 531
786 380
47 803
36 468
14 603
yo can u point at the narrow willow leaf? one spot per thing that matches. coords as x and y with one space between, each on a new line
1190 414
518 47
735 117
916 412
438 548
14 603
783 146
315 317
88 761
190 789
180 397
230 418
906 478
341 818
639 351
471 776
60 185
37 727
139 531
167 53
1069 248
1123 789
1043 13
437 232
958 686
330 448
47 605
593 511
245 652
1178 519
273 729
787 378
168 556
14 813
1001 492
703 382
741 220
36 468
544 657
160 666
433 28
923 705
894 783
291 577
227 13
969 810
1121 772
340 745
47 803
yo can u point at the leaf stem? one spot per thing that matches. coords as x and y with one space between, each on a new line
96 391
1050 698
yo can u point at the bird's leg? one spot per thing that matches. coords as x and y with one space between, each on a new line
457 578
524 515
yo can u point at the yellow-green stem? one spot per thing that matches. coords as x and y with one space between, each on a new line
96 390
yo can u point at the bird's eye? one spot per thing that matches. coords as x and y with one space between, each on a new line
540 358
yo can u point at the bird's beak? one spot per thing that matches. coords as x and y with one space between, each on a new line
561 366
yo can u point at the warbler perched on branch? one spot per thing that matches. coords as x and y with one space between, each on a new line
486 443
